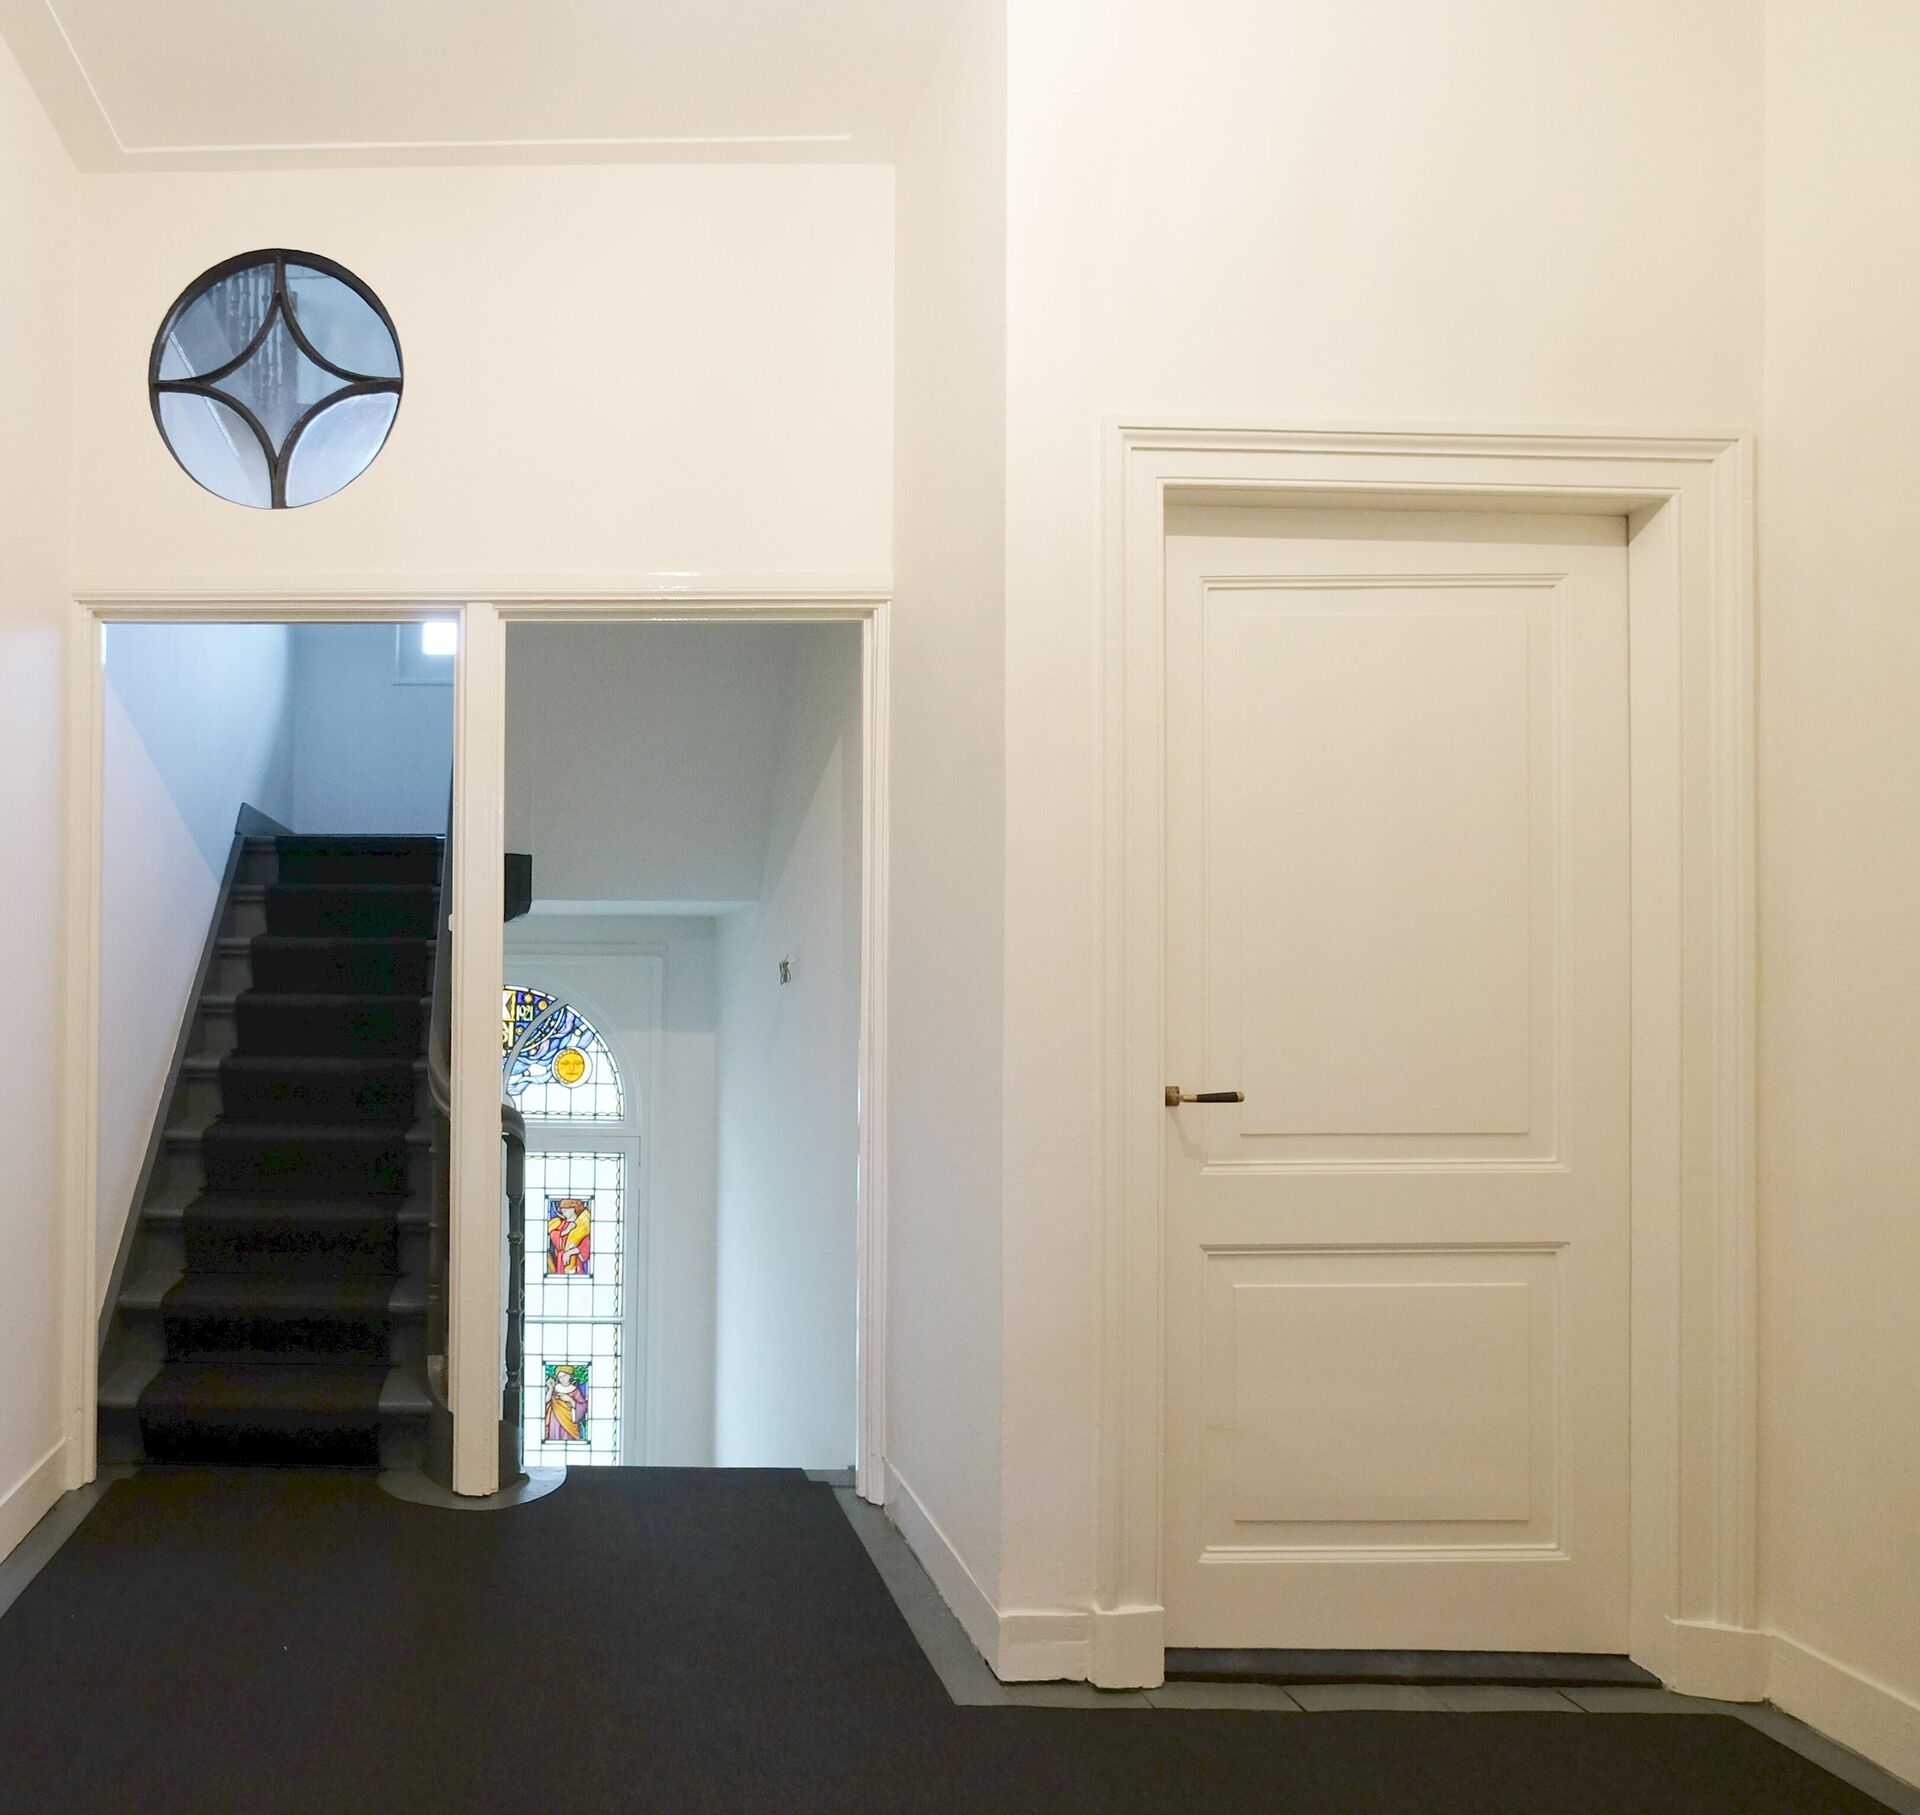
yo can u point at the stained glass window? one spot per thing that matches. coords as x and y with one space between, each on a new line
563 1071
575 1307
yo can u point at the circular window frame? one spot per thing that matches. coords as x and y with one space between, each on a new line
279 307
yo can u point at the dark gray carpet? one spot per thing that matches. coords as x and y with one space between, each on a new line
657 1639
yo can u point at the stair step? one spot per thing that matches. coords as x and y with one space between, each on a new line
294 1159
169 1209
337 966
282 1318
358 859
312 1026
275 1088
355 910
309 1237
212 1412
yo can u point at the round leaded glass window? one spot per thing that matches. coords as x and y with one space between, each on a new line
275 379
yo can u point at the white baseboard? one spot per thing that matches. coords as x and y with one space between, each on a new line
1728 1663
1020 1645
1041 1646
970 1604
1870 1717
29 1499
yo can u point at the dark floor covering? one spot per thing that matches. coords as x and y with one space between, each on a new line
684 1640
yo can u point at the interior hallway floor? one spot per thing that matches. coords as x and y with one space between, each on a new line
710 1640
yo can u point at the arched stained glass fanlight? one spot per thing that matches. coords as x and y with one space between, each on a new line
558 1068
275 379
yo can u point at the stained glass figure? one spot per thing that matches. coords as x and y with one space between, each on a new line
567 1401
570 1236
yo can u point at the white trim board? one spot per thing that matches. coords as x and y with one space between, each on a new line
32 1497
1687 501
474 1306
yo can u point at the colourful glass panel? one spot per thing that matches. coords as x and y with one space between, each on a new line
567 1401
564 1071
575 1319
570 1237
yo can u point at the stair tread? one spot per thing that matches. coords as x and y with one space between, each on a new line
327 1064
403 1393
172 1207
322 999
258 891
399 1296
181 1134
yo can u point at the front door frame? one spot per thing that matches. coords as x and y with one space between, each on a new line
1688 505
475 1305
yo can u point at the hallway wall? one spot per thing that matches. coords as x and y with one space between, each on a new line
37 199
370 754
1840 874
949 813
1492 212
610 371
789 1106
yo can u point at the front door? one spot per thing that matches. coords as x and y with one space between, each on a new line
1397 923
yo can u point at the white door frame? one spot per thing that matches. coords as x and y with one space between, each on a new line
479 780
1688 505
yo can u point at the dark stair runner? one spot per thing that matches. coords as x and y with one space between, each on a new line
280 1333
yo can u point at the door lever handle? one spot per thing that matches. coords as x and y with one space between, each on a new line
1175 1096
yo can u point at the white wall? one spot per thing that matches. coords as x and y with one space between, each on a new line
36 200
949 812
1840 872
592 961
370 753
609 371
789 1052
640 760
1493 211
198 722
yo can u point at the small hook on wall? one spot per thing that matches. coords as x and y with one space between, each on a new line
786 970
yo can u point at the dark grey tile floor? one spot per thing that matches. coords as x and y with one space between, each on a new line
969 1681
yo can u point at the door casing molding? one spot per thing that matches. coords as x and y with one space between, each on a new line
479 770
1688 504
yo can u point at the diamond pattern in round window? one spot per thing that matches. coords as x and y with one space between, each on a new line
275 379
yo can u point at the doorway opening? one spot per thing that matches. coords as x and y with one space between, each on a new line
273 802
682 1015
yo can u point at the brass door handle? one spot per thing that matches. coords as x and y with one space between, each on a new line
1175 1096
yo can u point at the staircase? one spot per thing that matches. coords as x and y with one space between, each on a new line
274 1301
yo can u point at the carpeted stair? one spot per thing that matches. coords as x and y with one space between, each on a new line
277 1314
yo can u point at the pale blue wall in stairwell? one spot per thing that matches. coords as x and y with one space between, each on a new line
370 753
196 722
211 706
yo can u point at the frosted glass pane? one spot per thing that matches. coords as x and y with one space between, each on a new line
342 325
217 448
217 325
279 384
338 445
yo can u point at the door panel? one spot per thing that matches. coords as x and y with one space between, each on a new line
1397 921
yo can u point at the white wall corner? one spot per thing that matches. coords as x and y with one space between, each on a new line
1727 1663
30 1498
1872 1718
1126 1647
1020 1645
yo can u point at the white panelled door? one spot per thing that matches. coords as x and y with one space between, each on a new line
1397 921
